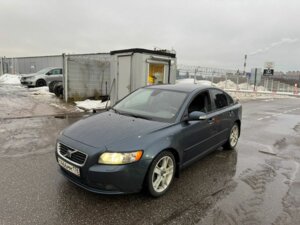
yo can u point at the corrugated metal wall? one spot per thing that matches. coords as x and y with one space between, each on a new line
87 76
25 65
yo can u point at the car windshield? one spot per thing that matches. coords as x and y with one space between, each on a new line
152 104
43 71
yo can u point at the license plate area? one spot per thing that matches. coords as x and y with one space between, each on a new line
69 167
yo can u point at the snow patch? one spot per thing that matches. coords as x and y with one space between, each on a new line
185 81
91 104
44 91
10 79
230 85
59 106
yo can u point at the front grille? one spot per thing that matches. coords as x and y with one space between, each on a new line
72 154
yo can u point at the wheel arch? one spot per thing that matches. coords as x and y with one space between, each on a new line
177 159
176 156
239 124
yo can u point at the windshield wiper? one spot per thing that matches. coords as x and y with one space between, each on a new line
131 115
116 111
140 117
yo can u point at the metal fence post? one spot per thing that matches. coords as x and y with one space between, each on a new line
272 85
254 87
237 80
65 78
2 67
247 82
195 79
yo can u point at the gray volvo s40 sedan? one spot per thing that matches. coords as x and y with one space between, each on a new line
147 138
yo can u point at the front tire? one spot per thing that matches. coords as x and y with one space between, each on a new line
233 137
161 174
40 83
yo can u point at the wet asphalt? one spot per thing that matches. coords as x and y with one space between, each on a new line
258 183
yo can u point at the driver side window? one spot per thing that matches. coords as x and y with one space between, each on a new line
56 71
201 103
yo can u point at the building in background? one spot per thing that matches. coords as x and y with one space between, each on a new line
27 65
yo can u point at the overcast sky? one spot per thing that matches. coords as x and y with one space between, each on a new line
216 33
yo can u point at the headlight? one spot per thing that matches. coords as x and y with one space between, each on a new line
116 158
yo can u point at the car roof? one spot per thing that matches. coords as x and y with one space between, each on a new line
181 87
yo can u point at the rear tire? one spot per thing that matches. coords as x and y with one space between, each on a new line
51 86
161 174
233 137
40 83
58 89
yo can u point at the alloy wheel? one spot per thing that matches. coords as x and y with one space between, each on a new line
234 135
163 174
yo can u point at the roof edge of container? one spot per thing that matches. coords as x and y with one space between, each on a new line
142 50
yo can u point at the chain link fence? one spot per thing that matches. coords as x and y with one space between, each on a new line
236 81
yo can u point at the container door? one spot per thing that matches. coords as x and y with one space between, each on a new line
123 87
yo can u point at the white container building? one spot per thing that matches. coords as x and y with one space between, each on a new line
135 68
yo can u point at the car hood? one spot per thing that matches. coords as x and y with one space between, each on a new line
108 128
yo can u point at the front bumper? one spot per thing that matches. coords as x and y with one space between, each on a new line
27 82
110 183
106 179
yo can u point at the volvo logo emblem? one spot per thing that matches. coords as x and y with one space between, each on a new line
69 153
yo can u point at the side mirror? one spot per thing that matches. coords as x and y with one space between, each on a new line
48 73
197 115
